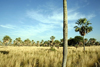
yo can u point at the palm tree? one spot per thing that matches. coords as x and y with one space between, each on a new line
32 42
27 42
41 43
18 40
6 39
0 43
65 33
57 42
45 43
10 42
49 43
83 27
52 39
85 40
37 43
92 41
97 43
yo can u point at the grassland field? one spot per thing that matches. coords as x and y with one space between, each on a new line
31 56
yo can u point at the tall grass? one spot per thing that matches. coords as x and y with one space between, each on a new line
25 56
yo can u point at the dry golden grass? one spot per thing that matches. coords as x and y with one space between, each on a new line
29 56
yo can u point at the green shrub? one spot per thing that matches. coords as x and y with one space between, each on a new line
52 49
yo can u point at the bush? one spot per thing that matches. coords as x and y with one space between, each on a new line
52 49
76 45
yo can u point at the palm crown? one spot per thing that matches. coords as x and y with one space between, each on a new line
83 27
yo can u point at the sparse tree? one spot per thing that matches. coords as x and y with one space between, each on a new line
52 39
41 43
83 28
45 43
27 42
49 43
57 42
6 40
92 41
18 41
10 42
37 43
97 43
0 43
32 42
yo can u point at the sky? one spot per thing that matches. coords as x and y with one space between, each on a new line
41 19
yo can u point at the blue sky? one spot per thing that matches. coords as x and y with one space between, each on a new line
40 19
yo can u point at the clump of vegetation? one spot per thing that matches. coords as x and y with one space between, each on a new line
76 46
52 49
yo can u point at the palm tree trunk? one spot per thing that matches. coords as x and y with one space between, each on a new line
65 33
84 43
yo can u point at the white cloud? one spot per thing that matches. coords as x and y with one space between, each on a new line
9 26
91 16
72 16
55 17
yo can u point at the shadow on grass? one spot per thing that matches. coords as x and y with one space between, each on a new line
4 52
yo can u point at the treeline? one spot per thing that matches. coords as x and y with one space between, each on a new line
76 41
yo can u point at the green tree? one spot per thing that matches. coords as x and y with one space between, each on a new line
0 43
32 42
45 43
14 42
83 27
65 33
10 42
57 42
85 40
72 42
61 40
49 43
97 43
18 41
41 43
27 42
78 39
92 41
38 43
6 39
52 39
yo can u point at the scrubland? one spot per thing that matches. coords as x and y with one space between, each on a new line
31 56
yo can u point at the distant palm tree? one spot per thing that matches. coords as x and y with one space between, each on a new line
6 39
83 28
57 42
32 42
18 40
37 43
92 41
14 42
52 39
41 43
0 43
97 43
65 33
85 40
49 43
10 41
